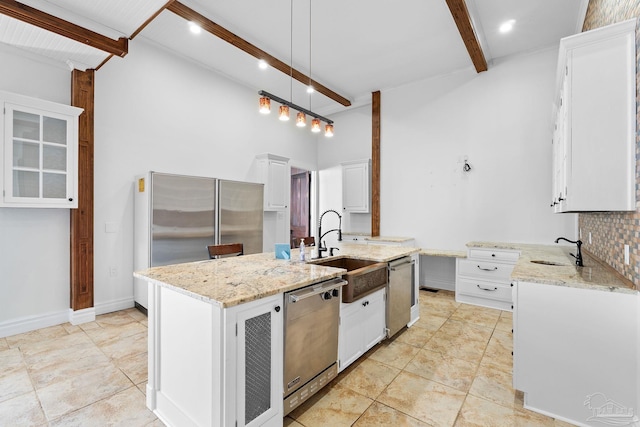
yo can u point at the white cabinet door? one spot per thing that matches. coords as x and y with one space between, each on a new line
273 172
356 193
259 356
374 321
40 154
362 325
350 340
594 156
571 344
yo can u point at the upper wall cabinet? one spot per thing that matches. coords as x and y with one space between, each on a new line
595 110
39 158
356 186
273 172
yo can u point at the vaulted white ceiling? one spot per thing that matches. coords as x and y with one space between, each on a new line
353 48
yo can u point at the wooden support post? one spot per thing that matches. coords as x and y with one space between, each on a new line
375 164
82 95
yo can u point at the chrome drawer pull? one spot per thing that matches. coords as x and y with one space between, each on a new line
488 269
486 289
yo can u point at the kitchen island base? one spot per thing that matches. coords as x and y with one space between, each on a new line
197 351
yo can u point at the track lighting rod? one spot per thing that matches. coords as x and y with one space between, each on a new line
295 107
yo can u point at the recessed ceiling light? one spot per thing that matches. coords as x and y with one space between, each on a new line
310 89
195 28
507 26
262 64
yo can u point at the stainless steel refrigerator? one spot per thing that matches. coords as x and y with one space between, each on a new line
177 216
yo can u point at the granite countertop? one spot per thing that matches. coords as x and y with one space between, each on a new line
236 280
594 274
443 253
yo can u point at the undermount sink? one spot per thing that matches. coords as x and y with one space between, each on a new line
545 262
363 277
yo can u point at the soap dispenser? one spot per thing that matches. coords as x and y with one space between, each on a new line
302 255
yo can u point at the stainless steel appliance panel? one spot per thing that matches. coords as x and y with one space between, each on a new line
311 320
182 218
240 214
399 294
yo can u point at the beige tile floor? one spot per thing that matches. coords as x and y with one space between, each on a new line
452 368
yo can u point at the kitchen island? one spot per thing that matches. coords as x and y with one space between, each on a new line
216 334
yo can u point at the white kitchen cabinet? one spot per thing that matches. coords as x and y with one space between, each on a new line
362 325
213 366
273 171
356 186
259 358
40 153
595 108
484 277
575 352
354 238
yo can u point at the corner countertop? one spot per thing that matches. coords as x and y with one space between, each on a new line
236 280
594 275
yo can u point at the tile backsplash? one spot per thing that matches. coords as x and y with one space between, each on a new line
610 231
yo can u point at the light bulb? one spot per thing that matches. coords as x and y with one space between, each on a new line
263 64
195 28
310 89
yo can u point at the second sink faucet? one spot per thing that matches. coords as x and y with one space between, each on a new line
578 256
320 235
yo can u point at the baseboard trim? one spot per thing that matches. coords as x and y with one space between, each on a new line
114 305
85 315
31 323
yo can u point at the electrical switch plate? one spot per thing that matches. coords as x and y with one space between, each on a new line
113 271
626 254
589 237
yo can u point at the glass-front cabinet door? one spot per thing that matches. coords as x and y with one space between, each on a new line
40 157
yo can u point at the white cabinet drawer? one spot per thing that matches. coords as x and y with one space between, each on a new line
480 288
485 269
494 255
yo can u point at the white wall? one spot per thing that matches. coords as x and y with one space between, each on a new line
34 243
155 111
352 141
501 120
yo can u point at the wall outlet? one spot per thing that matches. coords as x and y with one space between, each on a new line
113 271
626 254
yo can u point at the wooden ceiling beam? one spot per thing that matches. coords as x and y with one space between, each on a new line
226 35
462 19
64 28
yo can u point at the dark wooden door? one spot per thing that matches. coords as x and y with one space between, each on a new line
300 219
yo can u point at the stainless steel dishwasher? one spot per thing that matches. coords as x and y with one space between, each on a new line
311 320
401 272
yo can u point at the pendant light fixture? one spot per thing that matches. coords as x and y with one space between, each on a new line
285 106
301 119
283 113
265 105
